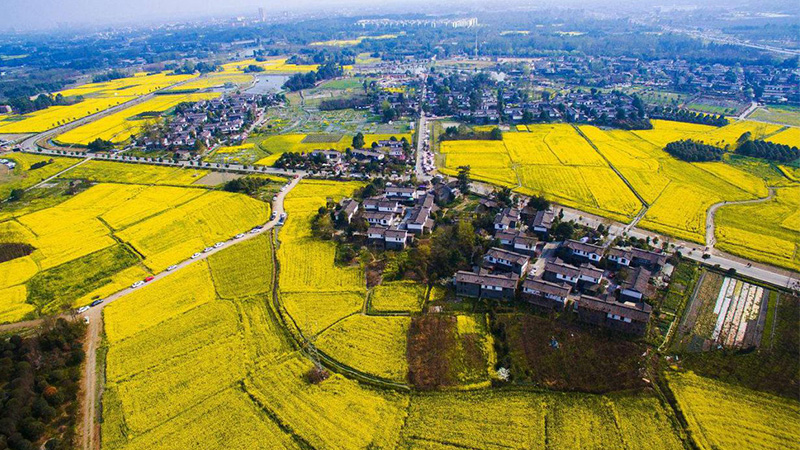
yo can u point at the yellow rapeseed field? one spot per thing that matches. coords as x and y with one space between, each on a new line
23 177
278 65
12 304
244 269
767 232
398 296
491 419
177 233
119 172
335 414
370 344
789 136
723 416
120 126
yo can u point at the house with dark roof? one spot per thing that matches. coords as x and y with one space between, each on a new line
557 271
545 294
385 219
582 250
506 261
620 256
418 220
645 258
627 317
542 222
637 285
395 239
501 287
507 219
401 193
349 209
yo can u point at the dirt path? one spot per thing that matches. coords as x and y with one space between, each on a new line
710 238
59 173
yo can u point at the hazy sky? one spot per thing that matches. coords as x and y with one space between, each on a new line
48 13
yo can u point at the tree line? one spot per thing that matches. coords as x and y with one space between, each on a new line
326 71
693 151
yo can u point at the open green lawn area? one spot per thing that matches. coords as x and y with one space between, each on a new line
787 115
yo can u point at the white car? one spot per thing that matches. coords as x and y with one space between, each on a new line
254 231
196 255
172 267
218 245
137 284
83 309
239 236
86 320
208 249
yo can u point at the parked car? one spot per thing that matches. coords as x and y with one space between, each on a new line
196 255
97 302
208 249
239 236
83 309
273 216
172 267
86 320
137 284
148 279
219 244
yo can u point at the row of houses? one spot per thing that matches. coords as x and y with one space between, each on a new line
580 287
395 216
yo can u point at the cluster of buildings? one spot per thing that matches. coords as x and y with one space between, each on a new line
489 105
352 161
604 287
225 119
779 84
397 215
467 22
8 163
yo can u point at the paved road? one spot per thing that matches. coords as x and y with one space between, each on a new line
422 138
89 382
748 111
240 168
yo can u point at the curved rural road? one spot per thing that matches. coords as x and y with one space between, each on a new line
89 383
710 238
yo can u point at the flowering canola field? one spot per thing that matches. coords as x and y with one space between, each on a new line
97 97
120 126
723 416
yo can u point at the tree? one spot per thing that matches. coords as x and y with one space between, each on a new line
563 231
504 196
539 203
99 145
358 140
496 134
16 195
464 178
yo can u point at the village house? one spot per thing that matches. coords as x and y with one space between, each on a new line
418 220
651 260
582 250
542 222
544 294
385 219
628 317
637 285
506 219
470 284
349 209
557 272
506 261
401 193
619 256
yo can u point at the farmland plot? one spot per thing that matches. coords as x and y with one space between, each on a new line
767 231
118 172
723 416
23 177
398 296
370 344
523 420
120 126
334 414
